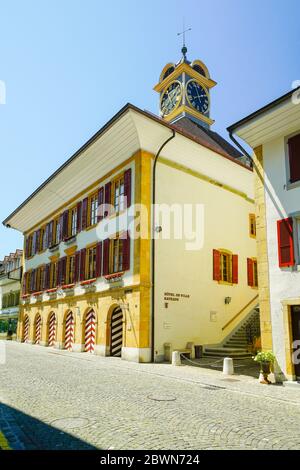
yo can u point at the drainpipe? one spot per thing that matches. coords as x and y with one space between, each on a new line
153 240
240 147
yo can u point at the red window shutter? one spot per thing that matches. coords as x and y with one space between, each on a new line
61 226
84 214
58 277
24 283
34 243
79 204
107 198
285 242
38 234
250 273
106 244
33 280
46 236
100 204
63 270
127 186
235 269
294 158
26 248
216 265
77 266
65 225
82 264
47 276
126 252
99 259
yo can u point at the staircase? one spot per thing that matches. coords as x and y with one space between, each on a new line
236 344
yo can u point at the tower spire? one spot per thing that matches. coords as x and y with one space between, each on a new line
182 33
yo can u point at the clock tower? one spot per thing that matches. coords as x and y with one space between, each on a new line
184 90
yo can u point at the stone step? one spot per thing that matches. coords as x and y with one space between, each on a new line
226 354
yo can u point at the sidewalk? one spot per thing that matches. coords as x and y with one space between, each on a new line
238 383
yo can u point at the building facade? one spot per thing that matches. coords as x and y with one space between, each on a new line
10 288
274 134
102 272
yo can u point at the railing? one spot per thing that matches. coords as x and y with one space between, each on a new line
238 314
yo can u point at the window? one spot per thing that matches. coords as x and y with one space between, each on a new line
118 194
252 225
73 221
29 246
226 271
294 158
116 255
91 262
225 267
252 272
93 206
71 270
56 237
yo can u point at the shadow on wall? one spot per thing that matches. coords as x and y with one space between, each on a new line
19 431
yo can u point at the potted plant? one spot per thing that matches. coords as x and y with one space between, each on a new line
266 360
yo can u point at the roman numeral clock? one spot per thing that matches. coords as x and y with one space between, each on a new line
184 90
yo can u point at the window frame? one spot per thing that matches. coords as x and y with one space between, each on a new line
116 180
228 255
116 241
91 197
70 269
90 248
72 210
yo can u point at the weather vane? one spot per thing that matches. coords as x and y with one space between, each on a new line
182 33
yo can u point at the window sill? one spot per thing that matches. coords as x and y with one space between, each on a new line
50 291
227 283
295 184
70 240
88 282
90 227
68 286
54 248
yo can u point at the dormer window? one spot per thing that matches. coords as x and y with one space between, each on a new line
168 72
199 69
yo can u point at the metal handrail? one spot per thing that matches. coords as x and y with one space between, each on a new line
235 316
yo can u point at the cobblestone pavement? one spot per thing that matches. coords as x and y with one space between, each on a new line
58 400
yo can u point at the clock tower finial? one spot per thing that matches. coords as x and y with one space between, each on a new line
182 33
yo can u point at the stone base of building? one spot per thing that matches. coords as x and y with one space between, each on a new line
59 345
102 350
136 354
43 343
292 384
77 347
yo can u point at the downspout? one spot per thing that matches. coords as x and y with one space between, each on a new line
240 147
153 241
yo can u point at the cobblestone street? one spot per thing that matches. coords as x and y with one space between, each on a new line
58 400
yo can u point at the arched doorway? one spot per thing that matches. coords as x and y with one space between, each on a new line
90 332
37 329
26 329
69 331
52 330
116 332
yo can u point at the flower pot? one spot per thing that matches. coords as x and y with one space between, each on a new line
265 370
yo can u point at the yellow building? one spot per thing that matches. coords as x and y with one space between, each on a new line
96 279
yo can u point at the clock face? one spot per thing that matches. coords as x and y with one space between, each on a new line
171 98
197 96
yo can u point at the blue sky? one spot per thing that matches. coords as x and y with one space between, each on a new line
70 65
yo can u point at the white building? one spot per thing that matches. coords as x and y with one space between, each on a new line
274 134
